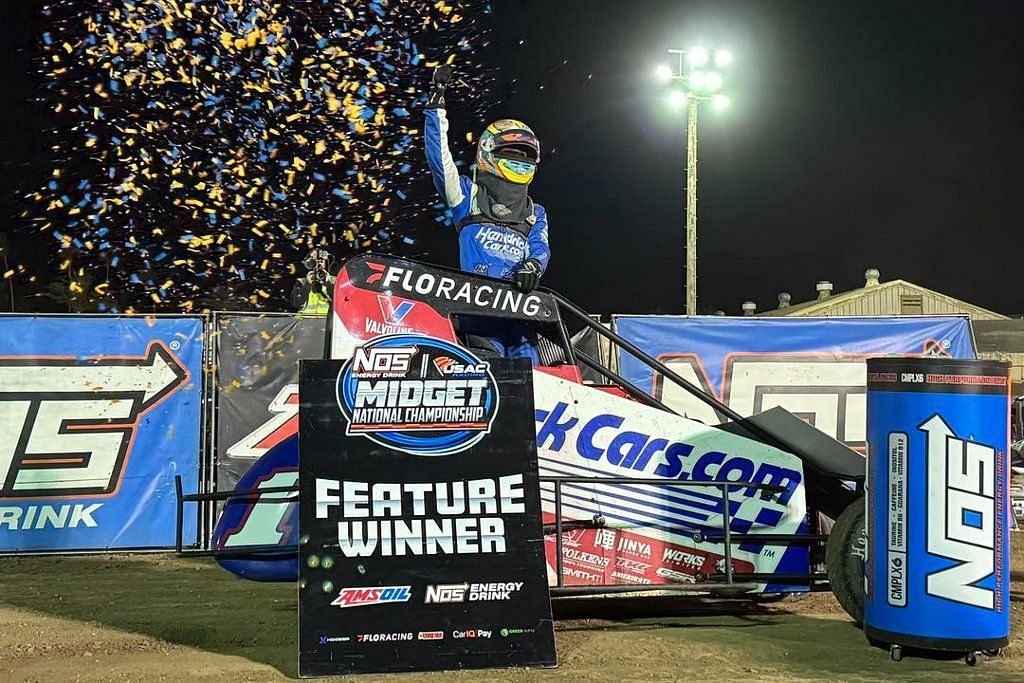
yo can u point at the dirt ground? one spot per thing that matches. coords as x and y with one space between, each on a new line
160 618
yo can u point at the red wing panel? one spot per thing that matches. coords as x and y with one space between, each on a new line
570 373
368 314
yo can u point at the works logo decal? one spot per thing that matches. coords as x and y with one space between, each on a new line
70 423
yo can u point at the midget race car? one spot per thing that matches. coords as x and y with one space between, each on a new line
636 497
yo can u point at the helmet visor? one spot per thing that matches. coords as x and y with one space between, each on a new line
516 171
518 146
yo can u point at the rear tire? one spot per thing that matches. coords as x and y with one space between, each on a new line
845 552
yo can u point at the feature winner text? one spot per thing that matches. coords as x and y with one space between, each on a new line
445 517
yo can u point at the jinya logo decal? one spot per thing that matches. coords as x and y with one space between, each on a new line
961 514
418 395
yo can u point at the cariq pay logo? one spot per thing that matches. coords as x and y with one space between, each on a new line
962 514
69 423
418 395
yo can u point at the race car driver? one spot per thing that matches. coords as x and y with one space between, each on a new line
502 232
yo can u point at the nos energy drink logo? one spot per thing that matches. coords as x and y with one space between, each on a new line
962 514
418 395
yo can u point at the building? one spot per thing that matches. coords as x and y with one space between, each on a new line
895 297
996 336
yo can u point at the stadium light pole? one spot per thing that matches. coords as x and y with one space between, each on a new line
698 84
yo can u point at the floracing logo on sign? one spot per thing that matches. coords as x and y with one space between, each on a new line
418 395
69 423
396 637
358 597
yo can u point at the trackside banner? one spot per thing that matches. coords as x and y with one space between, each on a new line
813 367
419 507
257 375
97 416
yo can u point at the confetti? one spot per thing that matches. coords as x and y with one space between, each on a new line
205 147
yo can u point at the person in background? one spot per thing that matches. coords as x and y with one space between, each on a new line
312 293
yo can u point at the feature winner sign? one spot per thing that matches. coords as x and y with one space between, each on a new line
419 513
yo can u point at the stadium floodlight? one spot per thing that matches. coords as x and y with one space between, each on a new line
699 85
697 56
713 81
663 72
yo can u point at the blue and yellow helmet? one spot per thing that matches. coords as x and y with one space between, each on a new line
509 150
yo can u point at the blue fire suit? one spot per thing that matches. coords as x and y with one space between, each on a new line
485 248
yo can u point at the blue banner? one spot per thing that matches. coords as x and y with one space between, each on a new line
97 416
813 367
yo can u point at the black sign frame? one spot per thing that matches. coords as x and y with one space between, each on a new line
422 612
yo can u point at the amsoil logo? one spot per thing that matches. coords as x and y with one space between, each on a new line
358 597
69 423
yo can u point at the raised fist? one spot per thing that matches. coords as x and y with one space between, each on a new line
442 76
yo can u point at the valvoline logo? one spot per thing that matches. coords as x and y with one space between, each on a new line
394 313
417 394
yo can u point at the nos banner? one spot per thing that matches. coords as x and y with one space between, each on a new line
812 367
419 498
97 416
257 359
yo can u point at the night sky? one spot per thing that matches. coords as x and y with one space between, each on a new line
883 134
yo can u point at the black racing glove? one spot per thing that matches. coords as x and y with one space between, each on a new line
528 276
439 81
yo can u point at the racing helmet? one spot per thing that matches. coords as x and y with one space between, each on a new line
509 150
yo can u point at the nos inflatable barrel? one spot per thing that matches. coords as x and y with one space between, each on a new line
937 565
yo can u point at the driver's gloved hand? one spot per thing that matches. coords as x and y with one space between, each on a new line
528 276
438 83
